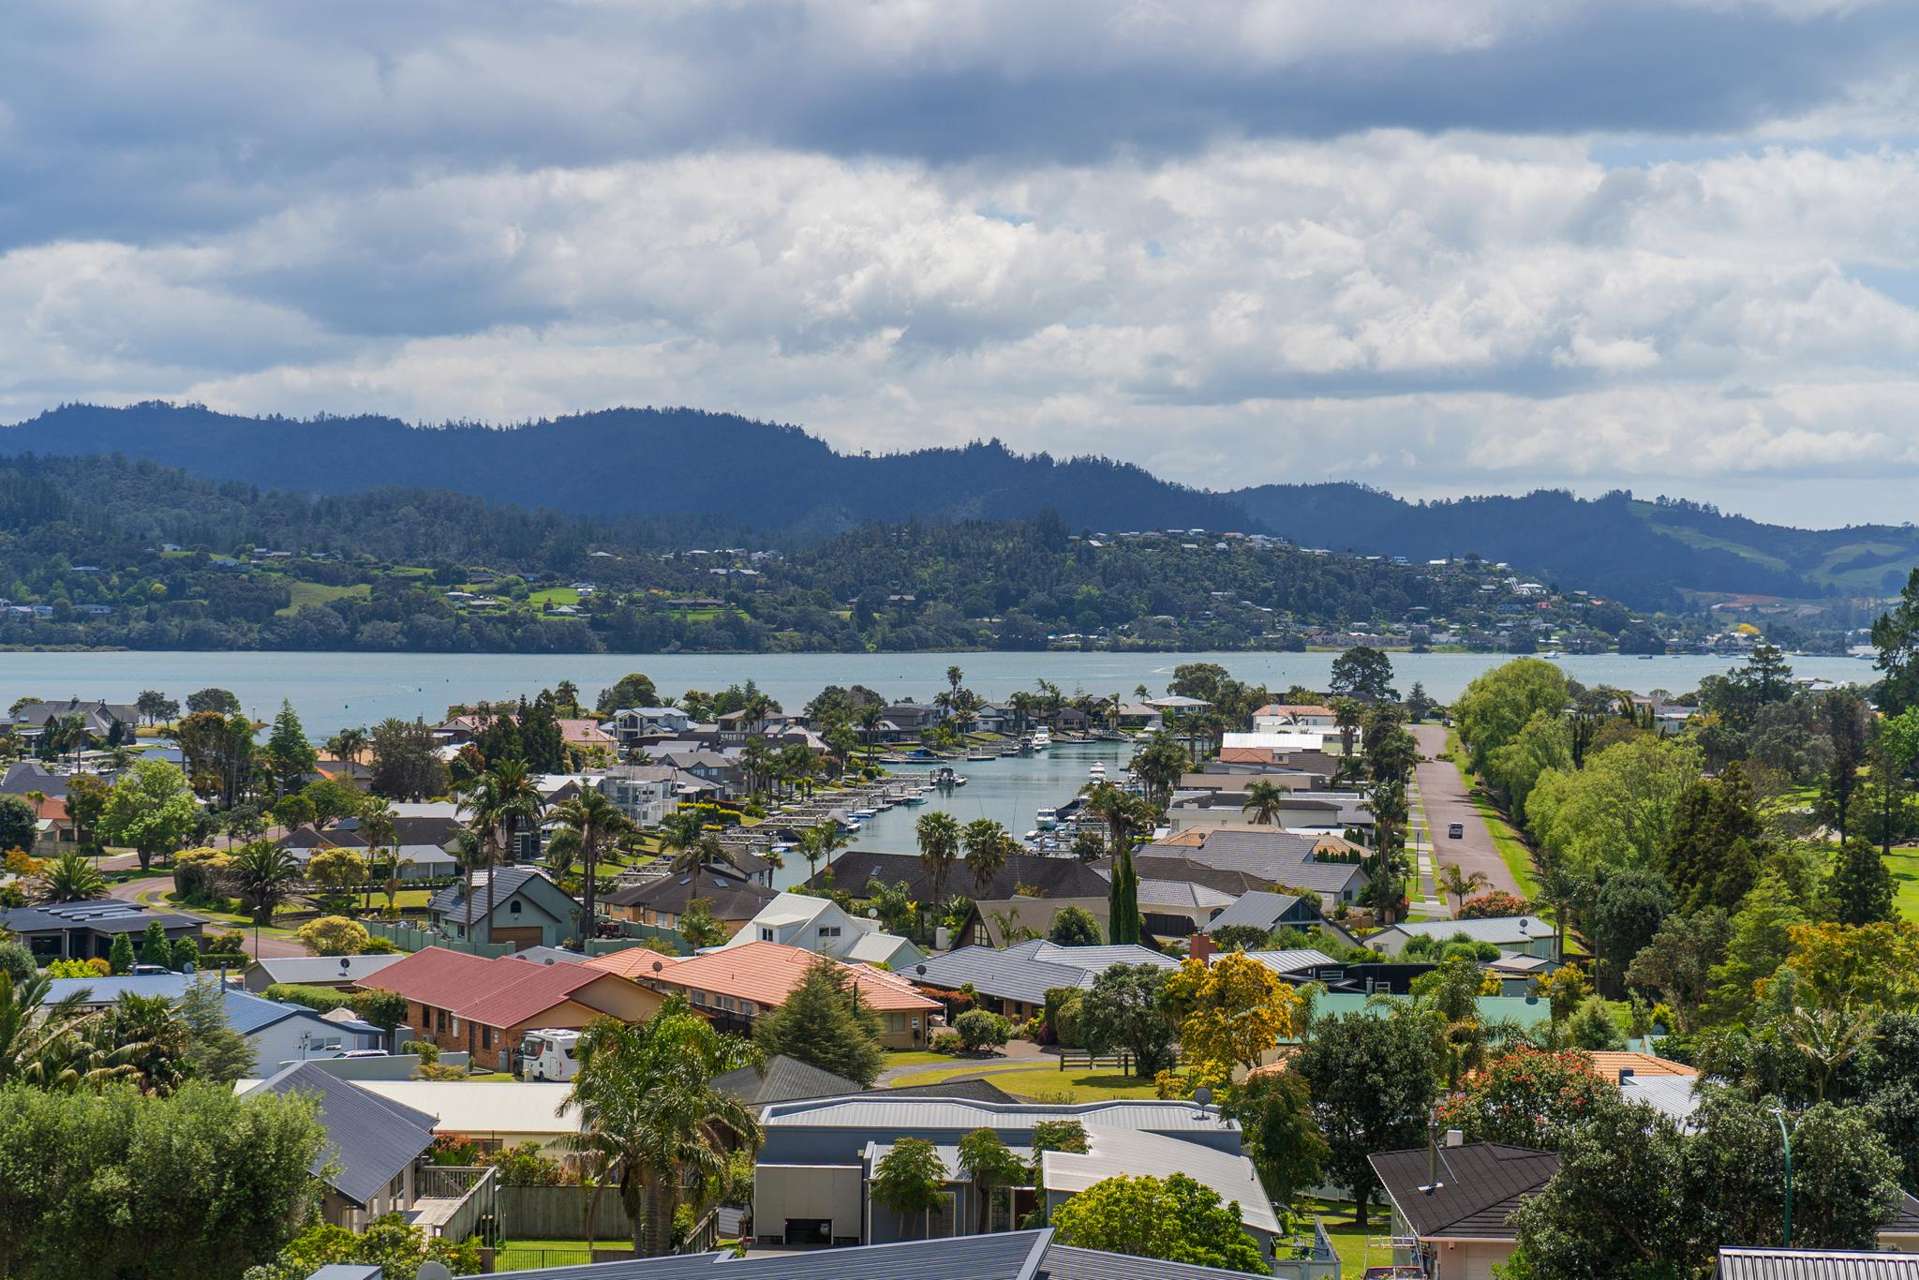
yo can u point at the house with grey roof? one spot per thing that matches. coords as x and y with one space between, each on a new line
1522 935
374 1146
104 720
277 1032
315 971
822 926
1014 981
1815 1264
1325 865
812 1181
1268 911
84 930
527 909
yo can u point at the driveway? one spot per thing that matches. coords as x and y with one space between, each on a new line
1447 801
147 891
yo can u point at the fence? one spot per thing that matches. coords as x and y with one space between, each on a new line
559 1213
413 938
632 935
1321 1260
469 1198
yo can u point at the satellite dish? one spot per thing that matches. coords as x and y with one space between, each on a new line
433 1269
1203 1096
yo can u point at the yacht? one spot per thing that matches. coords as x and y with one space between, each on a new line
1098 772
1042 739
1046 819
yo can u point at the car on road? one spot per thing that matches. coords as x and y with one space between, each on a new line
1457 831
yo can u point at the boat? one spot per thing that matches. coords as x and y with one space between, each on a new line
1042 739
1046 819
915 798
866 815
1098 771
945 777
981 755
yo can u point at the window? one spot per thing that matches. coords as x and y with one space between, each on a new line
766 934
486 1037
829 931
513 907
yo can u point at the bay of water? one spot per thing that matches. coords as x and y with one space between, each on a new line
334 690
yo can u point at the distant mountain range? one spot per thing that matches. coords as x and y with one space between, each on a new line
779 479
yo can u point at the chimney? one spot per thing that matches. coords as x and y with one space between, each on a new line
1201 947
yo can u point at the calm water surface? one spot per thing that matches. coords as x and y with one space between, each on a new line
334 690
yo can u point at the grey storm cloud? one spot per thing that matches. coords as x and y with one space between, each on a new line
1435 246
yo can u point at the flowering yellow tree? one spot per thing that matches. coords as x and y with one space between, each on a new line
1229 1013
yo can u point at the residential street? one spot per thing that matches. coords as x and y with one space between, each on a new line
1444 790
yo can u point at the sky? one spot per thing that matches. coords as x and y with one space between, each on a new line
1440 248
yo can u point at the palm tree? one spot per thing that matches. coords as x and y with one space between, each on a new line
70 878
1159 765
650 1119
593 820
348 745
496 799
1123 813
40 1042
756 757
1459 886
265 874
1264 801
682 830
703 852
380 832
987 846
471 851
939 841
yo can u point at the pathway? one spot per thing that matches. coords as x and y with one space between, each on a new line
1446 798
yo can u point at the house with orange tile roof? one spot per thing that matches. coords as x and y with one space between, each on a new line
486 1006
735 985
52 826
1611 1063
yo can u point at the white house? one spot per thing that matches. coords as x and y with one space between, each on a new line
1282 717
1280 740
631 724
820 925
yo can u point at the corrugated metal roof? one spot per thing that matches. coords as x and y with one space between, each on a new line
370 1139
881 1110
1260 909
1028 971
1011 1255
1065 1263
1816 1264
1114 1152
783 1079
1494 929
1293 960
308 969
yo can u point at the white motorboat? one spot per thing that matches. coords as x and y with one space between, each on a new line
1046 819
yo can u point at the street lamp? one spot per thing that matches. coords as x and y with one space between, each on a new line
1785 1137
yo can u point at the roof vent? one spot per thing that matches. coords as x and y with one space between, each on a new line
1625 1074
1455 1137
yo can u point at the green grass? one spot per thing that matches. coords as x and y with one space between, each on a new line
1512 850
306 593
553 595
1904 865
1044 1082
918 1058
1348 1240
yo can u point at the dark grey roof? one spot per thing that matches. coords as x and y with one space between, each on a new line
783 1079
1279 857
970 1089
1224 879
1028 971
1062 1262
101 915
1816 1264
30 775
1479 1186
1259 909
506 882
370 1140
1011 1255
731 897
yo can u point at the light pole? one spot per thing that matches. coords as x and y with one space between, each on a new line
1785 1137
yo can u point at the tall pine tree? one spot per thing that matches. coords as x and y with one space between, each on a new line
1122 900
1717 842
1861 886
824 1023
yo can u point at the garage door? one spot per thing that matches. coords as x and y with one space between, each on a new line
521 938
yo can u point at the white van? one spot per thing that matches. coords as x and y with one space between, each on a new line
550 1054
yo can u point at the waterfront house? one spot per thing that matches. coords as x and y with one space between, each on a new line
1284 717
103 720
633 726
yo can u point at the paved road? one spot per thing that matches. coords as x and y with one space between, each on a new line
1444 790
148 889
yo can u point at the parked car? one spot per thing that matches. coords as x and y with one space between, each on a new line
1457 831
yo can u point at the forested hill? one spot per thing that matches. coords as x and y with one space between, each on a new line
633 461
1639 551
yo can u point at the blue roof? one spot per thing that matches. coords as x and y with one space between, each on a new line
247 1013
1007 1255
108 990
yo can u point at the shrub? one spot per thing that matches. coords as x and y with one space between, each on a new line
230 946
378 946
334 936
978 1029
318 999
946 1042
524 1166
94 968
199 874
1491 905
384 1009
185 952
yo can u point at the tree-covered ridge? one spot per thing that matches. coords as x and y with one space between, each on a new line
119 552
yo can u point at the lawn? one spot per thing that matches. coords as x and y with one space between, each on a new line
1348 1240
553 595
1904 865
1040 1083
1512 850
306 593
918 1058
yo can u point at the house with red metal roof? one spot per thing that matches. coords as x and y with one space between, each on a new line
486 1006
734 985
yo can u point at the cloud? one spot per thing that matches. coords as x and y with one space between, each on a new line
1483 243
